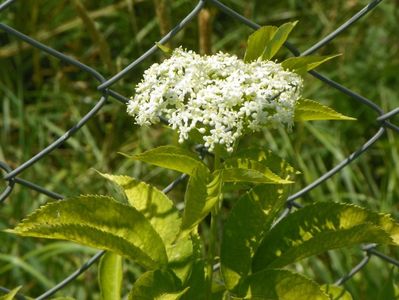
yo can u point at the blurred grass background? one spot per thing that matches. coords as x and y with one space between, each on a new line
41 98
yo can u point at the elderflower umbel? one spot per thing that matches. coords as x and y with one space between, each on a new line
220 95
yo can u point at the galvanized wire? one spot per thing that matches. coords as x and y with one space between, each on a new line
382 119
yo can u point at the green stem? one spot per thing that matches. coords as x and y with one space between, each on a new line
213 240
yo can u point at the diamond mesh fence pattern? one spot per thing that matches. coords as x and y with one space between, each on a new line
105 88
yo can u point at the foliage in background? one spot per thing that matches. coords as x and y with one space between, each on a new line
43 97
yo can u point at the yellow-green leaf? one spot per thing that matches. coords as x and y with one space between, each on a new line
278 40
257 42
275 284
321 227
240 169
336 292
10 295
110 276
151 202
309 110
303 64
203 191
157 284
98 222
171 157
164 49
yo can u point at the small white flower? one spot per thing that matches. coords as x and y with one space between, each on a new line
219 95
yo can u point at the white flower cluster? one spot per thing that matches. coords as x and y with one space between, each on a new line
220 95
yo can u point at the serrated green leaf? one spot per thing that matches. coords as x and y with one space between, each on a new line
274 284
171 157
309 110
203 191
336 292
98 222
248 170
10 295
157 284
321 227
303 64
110 276
245 226
257 42
151 202
278 40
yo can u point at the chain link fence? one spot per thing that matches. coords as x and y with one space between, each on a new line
383 120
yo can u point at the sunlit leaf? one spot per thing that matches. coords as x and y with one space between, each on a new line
257 42
153 203
272 284
171 157
248 170
203 192
164 49
336 292
278 40
110 276
309 110
321 227
157 284
268 159
10 295
303 64
98 222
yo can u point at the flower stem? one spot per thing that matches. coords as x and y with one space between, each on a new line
213 240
